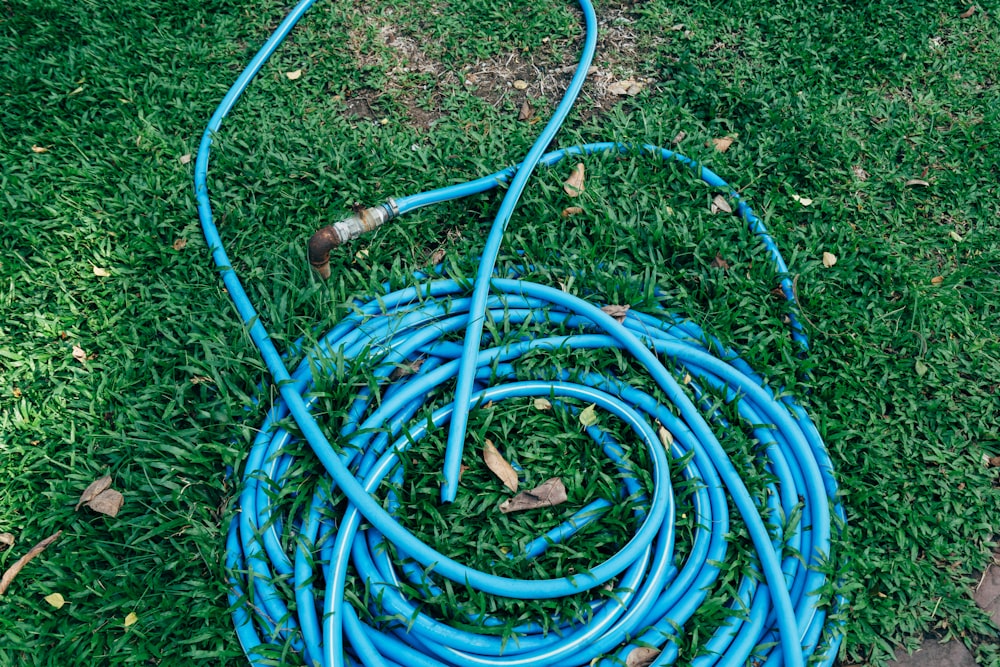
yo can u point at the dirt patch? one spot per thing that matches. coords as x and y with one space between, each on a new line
418 82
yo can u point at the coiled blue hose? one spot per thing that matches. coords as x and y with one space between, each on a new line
782 613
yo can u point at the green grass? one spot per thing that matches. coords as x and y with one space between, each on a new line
842 105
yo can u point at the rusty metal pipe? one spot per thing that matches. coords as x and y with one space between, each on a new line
331 236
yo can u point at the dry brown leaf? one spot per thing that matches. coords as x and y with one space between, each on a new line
859 172
185 158
549 493
722 144
293 75
829 259
56 600
93 490
968 12
719 263
666 437
180 244
131 619
641 656
498 465
520 84
719 203
937 280
14 569
437 256
574 184
571 210
39 149
79 354
915 182
6 541
617 311
679 137
542 404
101 273
526 111
107 502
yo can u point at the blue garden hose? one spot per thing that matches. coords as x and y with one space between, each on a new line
783 610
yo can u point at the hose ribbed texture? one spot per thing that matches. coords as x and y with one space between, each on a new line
781 611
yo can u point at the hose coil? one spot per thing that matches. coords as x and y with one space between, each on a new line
783 610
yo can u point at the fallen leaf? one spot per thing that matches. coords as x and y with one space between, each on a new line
679 137
293 75
571 210
131 619
921 368
991 461
56 600
968 12
719 263
955 236
666 437
437 256
498 465
687 378
574 184
548 493
16 392
677 27
829 259
859 173
526 111
6 540
616 311
641 656
542 404
520 84
719 203
185 158
805 201
588 416
76 91
93 490
201 379
13 570
914 182
629 87
722 144
107 502
180 244
79 354
937 280
39 149
101 273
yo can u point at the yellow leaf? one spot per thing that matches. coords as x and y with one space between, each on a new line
829 259
56 600
805 201
185 158
937 280
39 149
293 75
542 404
131 619
101 273
574 184
588 416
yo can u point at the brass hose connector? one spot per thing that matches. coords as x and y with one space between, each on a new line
331 236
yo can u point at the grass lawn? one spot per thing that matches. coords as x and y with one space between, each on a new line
868 131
